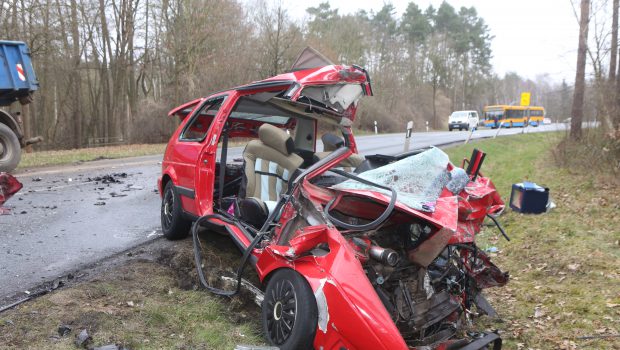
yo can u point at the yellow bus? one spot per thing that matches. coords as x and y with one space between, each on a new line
536 115
512 116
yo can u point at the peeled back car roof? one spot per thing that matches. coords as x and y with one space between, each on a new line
331 74
335 78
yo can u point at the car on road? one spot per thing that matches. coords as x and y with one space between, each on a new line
463 120
351 252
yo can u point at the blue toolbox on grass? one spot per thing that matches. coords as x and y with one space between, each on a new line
529 198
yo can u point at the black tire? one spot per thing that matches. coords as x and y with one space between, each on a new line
173 224
449 129
289 297
10 150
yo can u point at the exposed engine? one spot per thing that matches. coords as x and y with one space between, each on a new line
425 303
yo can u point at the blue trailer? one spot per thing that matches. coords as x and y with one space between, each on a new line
18 82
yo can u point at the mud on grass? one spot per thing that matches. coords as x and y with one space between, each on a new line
146 304
564 265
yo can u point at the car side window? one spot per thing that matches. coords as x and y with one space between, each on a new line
197 128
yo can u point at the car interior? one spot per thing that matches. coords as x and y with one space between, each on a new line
281 144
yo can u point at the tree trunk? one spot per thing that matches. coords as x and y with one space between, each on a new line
614 42
578 96
77 108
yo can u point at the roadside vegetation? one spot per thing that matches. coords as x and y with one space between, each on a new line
424 61
150 303
49 158
564 265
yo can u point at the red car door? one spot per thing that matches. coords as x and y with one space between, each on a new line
187 149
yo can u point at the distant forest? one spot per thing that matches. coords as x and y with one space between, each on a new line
111 69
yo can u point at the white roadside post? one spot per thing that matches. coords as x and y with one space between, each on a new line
376 130
498 129
408 135
471 132
427 126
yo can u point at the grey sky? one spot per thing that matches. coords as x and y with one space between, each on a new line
532 37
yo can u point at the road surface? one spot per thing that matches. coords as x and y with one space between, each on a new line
71 216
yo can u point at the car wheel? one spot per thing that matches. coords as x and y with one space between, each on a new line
449 129
289 312
173 224
10 151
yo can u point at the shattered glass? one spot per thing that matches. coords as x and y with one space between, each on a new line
458 180
418 179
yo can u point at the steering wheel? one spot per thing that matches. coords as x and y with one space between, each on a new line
371 225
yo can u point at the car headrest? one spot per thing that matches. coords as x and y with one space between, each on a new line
276 138
331 142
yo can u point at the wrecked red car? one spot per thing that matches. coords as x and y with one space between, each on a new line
353 252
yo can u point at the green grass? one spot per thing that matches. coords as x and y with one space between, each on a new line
566 263
49 158
137 305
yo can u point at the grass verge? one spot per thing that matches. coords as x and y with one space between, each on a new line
565 265
145 304
49 158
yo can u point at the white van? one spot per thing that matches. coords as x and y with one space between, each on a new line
463 120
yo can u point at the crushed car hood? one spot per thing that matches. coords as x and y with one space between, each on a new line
421 183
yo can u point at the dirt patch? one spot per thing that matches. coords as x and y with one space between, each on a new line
152 300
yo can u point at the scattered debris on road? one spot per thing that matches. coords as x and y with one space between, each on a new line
108 178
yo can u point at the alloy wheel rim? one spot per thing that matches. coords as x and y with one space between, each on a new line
167 207
282 311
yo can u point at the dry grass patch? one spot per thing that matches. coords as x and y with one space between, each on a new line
140 306
565 265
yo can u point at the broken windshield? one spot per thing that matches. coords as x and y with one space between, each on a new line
418 180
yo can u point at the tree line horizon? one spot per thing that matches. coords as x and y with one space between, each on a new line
109 70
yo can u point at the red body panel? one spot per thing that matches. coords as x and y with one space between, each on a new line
351 301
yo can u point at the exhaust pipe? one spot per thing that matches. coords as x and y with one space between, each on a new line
384 255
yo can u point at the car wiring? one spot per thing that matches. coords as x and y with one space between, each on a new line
244 259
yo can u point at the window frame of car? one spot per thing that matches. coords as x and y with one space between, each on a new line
205 104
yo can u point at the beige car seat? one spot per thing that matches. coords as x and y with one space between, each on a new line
269 165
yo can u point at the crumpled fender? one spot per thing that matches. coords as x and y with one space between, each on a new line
9 185
351 315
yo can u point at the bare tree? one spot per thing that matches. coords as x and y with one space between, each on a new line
614 42
578 96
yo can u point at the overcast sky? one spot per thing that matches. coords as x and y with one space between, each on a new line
532 37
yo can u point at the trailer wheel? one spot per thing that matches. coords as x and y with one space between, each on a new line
10 151
289 312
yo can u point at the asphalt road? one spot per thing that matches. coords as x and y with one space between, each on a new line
68 217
